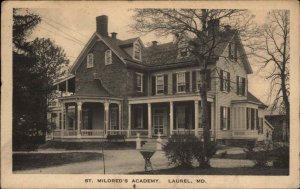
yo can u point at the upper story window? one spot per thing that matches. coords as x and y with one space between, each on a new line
160 84
196 77
198 81
137 53
90 60
224 81
181 82
108 57
232 51
240 85
225 118
139 82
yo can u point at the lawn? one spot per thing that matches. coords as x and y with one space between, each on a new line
26 161
220 171
88 145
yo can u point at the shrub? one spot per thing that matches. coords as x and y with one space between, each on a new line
179 150
281 155
248 149
198 152
261 154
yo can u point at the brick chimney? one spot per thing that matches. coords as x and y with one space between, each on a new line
213 26
154 43
102 24
114 35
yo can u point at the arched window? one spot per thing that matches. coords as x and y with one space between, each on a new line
108 58
137 53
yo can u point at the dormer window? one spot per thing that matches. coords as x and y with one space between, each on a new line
183 50
137 53
232 51
90 60
108 58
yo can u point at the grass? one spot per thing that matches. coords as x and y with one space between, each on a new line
26 161
88 145
220 171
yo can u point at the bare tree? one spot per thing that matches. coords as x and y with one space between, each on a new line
274 55
200 28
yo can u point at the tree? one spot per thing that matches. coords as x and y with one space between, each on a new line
274 55
199 28
36 65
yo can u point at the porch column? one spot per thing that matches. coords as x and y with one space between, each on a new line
79 110
196 117
149 121
129 120
106 110
62 120
120 116
66 118
171 118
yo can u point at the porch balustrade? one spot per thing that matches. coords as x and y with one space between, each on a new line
70 133
143 133
92 133
117 132
56 133
183 132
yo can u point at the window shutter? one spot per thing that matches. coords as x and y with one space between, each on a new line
228 118
145 84
257 121
135 82
174 82
194 81
243 92
252 119
228 81
235 52
187 81
153 85
208 72
187 120
166 84
237 85
247 117
221 117
221 80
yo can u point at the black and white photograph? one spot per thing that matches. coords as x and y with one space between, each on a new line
150 94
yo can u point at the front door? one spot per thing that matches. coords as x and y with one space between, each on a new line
159 120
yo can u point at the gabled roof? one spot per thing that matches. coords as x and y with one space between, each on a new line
252 98
94 88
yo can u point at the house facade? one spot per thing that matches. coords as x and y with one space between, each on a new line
121 87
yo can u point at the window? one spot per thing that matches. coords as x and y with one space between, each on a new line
261 126
198 81
183 50
160 84
137 51
225 118
252 119
139 82
139 117
240 85
181 82
90 60
232 51
108 58
225 81
180 115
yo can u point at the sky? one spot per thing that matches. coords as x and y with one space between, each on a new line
72 28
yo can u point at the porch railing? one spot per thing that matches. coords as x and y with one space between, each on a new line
56 133
142 132
70 133
117 132
92 133
183 132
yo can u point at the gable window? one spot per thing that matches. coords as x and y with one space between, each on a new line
90 60
181 82
137 54
160 84
108 58
224 81
139 82
225 118
232 51
240 85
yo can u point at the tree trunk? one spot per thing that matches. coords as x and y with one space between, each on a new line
205 123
